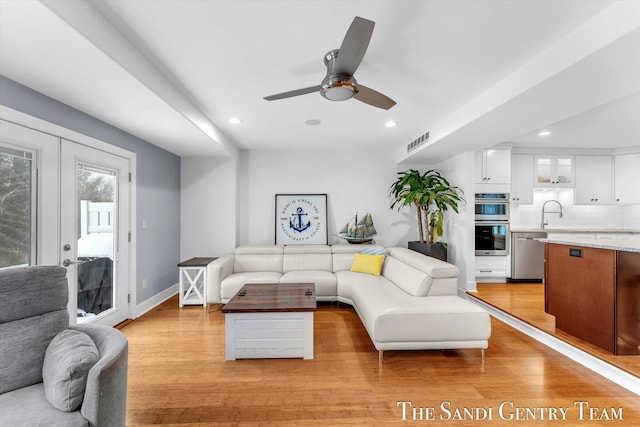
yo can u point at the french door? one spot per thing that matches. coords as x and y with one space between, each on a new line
69 204
94 226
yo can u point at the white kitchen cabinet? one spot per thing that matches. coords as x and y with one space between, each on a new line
554 171
594 180
522 179
493 166
627 179
492 269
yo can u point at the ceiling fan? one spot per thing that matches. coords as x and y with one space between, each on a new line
339 83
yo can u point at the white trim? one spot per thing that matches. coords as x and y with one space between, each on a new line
44 126
627 150
472 286
34 190
599 366
26 120
154 301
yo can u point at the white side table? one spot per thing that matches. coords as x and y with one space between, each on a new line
193 281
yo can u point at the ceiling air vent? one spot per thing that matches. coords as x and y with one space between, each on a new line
418 142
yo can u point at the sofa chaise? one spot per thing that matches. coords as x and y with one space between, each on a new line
52 374
412 305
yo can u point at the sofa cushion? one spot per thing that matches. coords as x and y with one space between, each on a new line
367 264
24 343
258 259
343 255
391 315
259 250
325 281
432 266
67 361
28 406
347 280
232 283
307 257
409 279
437 319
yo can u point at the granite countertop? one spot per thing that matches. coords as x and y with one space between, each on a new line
573 230
625 245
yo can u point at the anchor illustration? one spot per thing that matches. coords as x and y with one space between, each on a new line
299 226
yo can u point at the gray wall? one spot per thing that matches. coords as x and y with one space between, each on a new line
158 184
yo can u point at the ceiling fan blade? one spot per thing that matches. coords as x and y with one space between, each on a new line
354 46
375 98
292 93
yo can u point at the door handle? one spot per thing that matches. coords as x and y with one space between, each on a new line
67 262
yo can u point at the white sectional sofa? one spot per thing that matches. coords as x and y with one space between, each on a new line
412 305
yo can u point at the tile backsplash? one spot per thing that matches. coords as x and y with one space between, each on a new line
631 217
573 216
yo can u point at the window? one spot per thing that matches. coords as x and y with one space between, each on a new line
17 207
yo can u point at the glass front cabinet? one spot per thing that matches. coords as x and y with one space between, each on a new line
554 171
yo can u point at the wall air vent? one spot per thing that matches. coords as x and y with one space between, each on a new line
413 145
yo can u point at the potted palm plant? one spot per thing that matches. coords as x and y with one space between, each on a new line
432 196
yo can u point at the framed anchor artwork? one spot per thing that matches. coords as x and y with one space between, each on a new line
301 219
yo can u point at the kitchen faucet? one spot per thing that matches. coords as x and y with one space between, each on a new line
543 222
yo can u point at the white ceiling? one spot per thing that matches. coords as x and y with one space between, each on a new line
474 73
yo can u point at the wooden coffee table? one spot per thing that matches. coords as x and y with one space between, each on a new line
270 320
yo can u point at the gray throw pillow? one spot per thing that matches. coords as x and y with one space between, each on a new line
67 361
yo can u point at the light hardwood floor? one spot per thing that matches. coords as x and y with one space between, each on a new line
178 376
526 302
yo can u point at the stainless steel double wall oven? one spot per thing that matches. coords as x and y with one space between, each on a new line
492 224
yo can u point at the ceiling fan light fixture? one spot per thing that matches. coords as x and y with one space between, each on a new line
339 88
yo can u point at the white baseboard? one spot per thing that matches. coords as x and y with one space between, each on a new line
154 301
472 286
600 367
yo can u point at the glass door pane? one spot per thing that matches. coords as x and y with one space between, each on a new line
17 211
94 228
95 235
565 169
543 170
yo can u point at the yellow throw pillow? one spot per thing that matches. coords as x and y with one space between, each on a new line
368 264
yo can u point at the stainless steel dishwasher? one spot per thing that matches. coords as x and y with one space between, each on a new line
527 257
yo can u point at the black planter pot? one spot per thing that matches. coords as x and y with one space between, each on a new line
435 250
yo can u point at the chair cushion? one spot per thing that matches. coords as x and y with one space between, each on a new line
28 406
32 291
67 361
22 346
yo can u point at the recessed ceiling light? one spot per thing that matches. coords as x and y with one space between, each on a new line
391 123
312 122
235 121
544 133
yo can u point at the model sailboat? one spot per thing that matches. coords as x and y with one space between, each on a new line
358 231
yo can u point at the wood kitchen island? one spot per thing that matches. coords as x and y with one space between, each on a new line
592 287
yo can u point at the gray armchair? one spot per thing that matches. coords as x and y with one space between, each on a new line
33 316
